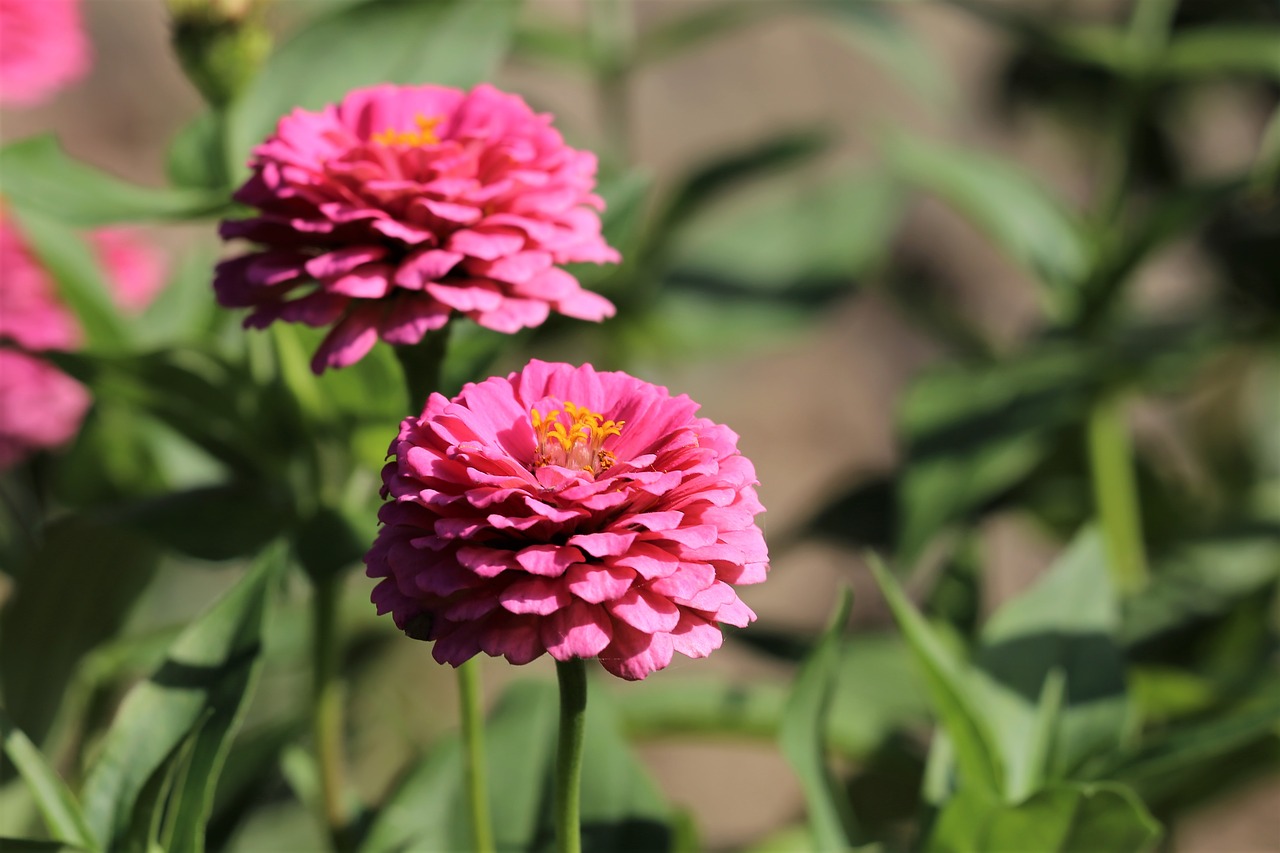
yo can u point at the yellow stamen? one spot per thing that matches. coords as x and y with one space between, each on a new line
424 135
579 443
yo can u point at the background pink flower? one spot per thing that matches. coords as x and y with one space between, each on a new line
40 407
567 511
404 205
42 49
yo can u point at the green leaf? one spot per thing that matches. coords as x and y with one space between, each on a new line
1066 623
878 32
447 42
40 177
197 157
1066 817
31 845
198 693
800 734
78 274
946 681
219 522
695 28
794 235
1223 50
57 804
973 432
64 603
1015 211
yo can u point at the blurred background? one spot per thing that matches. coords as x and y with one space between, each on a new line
801 296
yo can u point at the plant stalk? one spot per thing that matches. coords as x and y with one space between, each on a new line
572 675
327 710
1115 493
475 766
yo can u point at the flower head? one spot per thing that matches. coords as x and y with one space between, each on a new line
42 49
567 511
386 214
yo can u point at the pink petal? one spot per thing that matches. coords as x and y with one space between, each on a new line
548 560
695 637
645 611
596 583
535 595
634 654
580 630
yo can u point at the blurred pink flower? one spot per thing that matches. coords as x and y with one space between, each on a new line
567 511
40 406
33 318
42 49
405 204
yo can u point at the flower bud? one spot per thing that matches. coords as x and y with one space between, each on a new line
220 44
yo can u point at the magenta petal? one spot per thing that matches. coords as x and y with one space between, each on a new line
517 638
634 654
347 342
596 583
534 595
603 544
695 637
580 630
548 560
425 266
645 611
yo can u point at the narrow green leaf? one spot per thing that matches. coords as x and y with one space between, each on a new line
57 804
197 157
800 734
695 28
78 274
31 845
878 32
205 678
1008 205
1223 50
976 757
447 42
40 177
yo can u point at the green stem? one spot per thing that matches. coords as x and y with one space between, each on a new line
572 675
327 709
422 364
612 31
1116 496
473 743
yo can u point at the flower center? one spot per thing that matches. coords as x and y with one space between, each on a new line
424 135
575 440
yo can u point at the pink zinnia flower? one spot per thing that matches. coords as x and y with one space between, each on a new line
40 406
42 49
403 205
567 511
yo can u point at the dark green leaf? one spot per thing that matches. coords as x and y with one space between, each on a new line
447 42
57 804
946 680
30 845
200 688
40 177
212 522
1008 205
878 32
328 542
1223 50
197 158
800 734
695 28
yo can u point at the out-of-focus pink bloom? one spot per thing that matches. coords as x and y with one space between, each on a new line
404 205
567 511
135 270
42 49
31 315
40 406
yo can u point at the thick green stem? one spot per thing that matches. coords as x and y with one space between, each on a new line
1116 496
327 709
572 675
473 743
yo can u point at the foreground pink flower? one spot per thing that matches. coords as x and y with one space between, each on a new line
567 511
390 212
40 407
42 49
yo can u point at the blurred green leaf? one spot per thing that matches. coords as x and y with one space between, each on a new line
1007 204
328 542
554 43
801 734
72 593
78 275
694 28
791 235
40 177
1223 50
184 309
31 845
198 693
197 157
216 522
1065 623
954 703
1065 817
446 42
57 804
875 29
